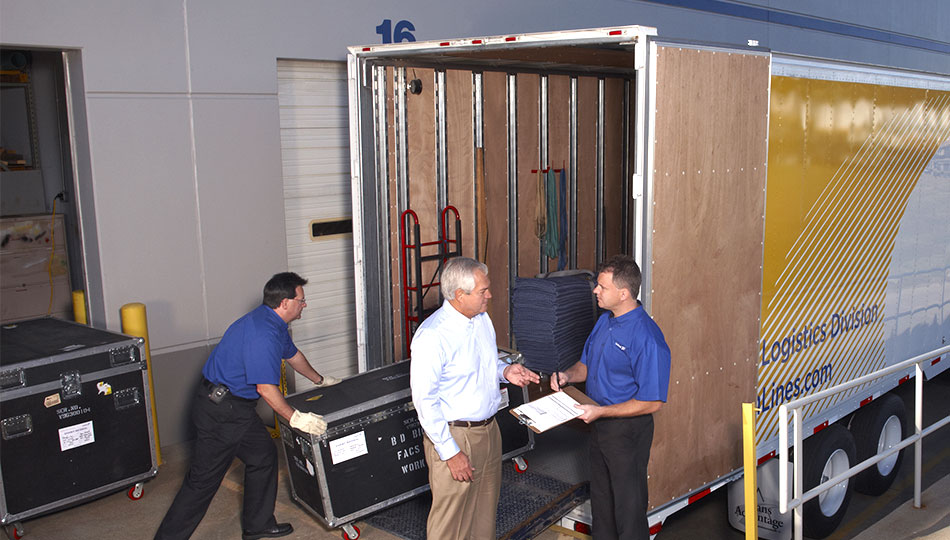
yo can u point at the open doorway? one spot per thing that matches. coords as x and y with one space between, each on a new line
40 236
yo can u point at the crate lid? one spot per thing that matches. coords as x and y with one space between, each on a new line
34 339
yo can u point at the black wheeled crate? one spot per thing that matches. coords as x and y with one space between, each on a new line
371 456
76 416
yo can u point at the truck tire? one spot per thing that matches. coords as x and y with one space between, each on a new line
877 427
827 454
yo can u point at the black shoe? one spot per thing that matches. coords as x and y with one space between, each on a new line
281 529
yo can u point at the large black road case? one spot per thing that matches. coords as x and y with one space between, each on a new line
371 455
76 416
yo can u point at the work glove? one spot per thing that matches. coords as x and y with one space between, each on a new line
327 381
308 422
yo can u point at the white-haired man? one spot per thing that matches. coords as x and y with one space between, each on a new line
455 377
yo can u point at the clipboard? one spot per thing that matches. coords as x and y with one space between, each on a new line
551 410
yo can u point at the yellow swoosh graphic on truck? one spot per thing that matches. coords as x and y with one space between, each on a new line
843 161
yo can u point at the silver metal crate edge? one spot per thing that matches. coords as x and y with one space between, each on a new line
340 491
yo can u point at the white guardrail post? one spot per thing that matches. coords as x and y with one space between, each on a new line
800 497
918 429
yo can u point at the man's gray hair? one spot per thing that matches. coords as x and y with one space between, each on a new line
459 273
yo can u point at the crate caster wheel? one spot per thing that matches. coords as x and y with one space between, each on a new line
350 532
15 531
521 464
136 491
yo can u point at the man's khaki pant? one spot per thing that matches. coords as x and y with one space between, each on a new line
466 510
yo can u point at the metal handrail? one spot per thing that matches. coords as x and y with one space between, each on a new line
797 405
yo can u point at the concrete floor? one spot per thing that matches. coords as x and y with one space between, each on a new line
117 516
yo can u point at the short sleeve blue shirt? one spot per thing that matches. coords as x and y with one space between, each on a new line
250 353
627 358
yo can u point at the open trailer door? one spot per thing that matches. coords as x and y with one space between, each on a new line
707 122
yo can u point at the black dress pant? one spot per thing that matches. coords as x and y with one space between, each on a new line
619 453
226 430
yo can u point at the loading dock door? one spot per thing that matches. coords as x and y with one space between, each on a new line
315 162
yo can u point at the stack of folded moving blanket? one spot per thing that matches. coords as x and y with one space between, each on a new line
551 319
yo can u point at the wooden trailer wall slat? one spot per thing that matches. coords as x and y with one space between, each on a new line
529 158
423 179
586 172
460 139
709 175
559 140
613 166
495 127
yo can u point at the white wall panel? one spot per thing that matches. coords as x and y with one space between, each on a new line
220 32
237 149
127 46
147 214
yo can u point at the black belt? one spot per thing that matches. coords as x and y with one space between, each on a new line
208 385
470 423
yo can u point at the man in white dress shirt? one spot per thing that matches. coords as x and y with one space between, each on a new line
455 377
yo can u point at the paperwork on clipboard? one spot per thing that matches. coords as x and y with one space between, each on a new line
552 410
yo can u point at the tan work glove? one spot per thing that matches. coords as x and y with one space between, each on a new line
308 422
327 381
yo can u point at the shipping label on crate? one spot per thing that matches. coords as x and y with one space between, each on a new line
76 436
349 447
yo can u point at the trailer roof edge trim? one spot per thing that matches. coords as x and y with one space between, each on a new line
788 65
712 47
616 34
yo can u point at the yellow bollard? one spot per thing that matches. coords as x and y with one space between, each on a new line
79 307
275 431
135 323
748 458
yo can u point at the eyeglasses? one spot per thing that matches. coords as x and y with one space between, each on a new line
301 300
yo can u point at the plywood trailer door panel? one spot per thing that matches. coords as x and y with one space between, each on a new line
704 254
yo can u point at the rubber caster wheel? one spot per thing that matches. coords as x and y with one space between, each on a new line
521 465
15 531
351 532
136 492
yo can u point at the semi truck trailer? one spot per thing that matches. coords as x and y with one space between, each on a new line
789 214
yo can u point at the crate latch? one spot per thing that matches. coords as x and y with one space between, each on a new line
12 378
127 397
121 357
17 426
306 449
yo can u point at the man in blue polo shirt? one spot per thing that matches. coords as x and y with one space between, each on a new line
626 364
243 367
